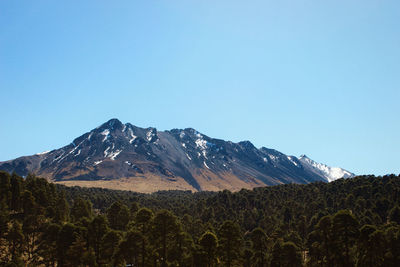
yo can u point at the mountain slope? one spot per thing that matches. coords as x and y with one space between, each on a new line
123 156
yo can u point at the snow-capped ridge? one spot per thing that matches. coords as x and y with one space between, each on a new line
330 173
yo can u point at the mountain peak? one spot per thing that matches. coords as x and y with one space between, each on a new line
247 144
112 123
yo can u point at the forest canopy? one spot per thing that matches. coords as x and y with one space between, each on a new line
348 222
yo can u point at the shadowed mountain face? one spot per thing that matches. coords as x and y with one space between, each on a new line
123 156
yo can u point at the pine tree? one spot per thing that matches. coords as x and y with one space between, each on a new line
259 246
230 242
165 228
142 219
16 243
97 228
16 190
81 209
394 215
61 212
47 247
209 244
345 226
109 245
118 216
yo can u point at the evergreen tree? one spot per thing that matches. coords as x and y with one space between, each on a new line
4 218
61 212
277 255
32 229
47 247
259 246
142 219
394 215
97 229
78 254
118 216
165 228
290 255
230 242
392 255
109 245
66 237
345 227
325 232
29 205
16 242
209 243
129 249
370 247
5 188
16 190
81 209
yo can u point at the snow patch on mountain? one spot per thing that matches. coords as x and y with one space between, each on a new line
273 158
292 160
205 164
106 133
330 173
113 155
43 153
202 144
132 136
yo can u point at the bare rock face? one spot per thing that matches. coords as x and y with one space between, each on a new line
123 156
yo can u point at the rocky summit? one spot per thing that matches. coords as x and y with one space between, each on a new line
126 157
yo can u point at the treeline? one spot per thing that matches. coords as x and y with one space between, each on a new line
353 222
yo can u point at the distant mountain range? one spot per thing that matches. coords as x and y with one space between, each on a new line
123 156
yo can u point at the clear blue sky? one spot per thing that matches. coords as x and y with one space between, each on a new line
315 77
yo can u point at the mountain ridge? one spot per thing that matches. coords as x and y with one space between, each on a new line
124 156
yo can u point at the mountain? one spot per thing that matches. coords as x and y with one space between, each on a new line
123 156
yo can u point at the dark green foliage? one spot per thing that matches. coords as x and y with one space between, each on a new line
352 222
65 238
109 245
130 248
47 248
81 209
97 229
4 218
371 246
230 243
60 212
5 188
118 216
143 220
209 243
16 243
345 233
16 190
28 204
165 229
290 255
394 215
259 246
